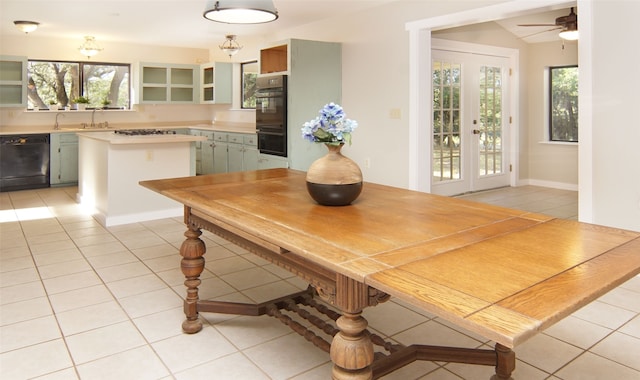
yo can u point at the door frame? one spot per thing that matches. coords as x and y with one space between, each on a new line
511 118
420 91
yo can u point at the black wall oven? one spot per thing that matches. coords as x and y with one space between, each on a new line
271 114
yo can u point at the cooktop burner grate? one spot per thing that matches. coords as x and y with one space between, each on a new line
140 132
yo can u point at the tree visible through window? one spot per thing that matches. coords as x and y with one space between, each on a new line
249 74
563 103
106 85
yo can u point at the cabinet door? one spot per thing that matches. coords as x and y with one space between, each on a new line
69 163
13 81
250 158
220 158
207 155
236 152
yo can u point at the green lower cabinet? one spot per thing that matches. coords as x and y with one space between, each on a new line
242 152
250 158
225 152
63 159
236 154
206 153
220 158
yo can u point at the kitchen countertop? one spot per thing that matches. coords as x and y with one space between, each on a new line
217 127
118 139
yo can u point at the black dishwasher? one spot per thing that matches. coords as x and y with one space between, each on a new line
24 162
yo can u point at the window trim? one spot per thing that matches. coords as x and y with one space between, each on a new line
255 61
548 106
81 77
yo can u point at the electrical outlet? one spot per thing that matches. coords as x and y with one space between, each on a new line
149 155
395 113
367 162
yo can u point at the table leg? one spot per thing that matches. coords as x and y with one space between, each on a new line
351 349
192 265
505 363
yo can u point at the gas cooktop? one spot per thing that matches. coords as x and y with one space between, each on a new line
140 132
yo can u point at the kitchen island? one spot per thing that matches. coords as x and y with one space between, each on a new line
111 164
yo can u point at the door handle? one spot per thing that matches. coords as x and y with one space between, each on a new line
476 132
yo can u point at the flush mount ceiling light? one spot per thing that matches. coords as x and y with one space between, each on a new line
90 47
26 26
241 11
230 45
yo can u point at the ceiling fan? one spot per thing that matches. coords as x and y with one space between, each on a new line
568 24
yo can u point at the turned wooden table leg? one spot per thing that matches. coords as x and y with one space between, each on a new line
505 363
351 349
192 264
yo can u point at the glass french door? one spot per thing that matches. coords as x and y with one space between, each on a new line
469 135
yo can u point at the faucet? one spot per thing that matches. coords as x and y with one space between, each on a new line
93 113
56 126
93 123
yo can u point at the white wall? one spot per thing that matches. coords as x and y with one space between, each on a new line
550 164
616 130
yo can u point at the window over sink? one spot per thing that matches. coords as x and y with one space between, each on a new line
63 83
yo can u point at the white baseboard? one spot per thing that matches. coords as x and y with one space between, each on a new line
549 184
109 221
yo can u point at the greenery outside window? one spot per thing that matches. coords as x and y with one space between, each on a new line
249 72
61 83
563 103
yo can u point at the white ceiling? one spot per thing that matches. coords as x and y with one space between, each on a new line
158 22
535 34
180 22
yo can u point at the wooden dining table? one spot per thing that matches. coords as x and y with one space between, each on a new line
502 273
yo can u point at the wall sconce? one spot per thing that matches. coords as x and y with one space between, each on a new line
241 11
230 45
90 47
26 26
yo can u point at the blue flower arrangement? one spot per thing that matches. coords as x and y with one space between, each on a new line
330 127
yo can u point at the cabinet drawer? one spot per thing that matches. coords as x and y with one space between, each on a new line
236 139
220 136
208 134
251 140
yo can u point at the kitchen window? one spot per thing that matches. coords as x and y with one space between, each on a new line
105 85
249 72
563 103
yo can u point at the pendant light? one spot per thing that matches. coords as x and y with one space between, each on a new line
241 11
26 26
90 47
230 46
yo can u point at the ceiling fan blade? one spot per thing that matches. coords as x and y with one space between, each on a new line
537 25
536 33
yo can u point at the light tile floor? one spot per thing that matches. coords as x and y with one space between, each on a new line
78 301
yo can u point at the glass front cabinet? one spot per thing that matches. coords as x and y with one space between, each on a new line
216 83
168 83
13 81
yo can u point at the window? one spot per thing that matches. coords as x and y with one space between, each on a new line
105 85
563 103
249 72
